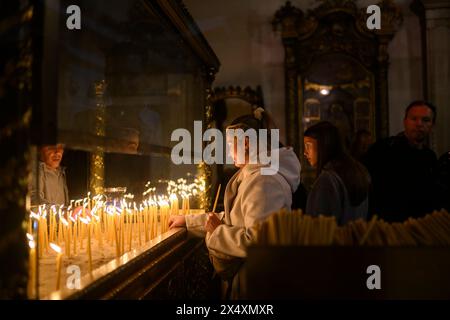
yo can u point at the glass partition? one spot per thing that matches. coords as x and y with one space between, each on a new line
110 95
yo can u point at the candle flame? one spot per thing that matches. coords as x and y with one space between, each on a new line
84 220
34 215
30 237
173 197
32 244
110 210
163 202
55 247
64 221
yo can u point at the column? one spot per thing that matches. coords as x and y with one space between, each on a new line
437 22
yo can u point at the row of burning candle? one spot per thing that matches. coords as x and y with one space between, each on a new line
58 225
117 224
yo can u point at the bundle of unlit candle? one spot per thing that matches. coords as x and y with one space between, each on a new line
295 228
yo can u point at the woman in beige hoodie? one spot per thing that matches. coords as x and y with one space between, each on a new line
250 197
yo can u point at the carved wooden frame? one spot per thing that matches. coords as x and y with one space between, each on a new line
297 28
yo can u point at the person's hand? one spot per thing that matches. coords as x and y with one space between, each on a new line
212 222
177 221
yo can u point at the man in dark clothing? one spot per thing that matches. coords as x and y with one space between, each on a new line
403 168
444 178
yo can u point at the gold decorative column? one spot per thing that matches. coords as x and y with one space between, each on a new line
97 170
205 170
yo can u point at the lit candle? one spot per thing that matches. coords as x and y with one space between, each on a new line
40 237
84 209
164 214
155 220
66 237
185 204
111 214
116 239
31 266
82 226
151 219
45 231
74 234
50 224
89 252
60 234
130 230
122 232
35 217
139 223
89 201
188 206
173 204
99 234
29 224
146 221
89 248
57 249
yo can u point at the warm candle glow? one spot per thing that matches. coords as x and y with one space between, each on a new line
119 222
57 249
31 267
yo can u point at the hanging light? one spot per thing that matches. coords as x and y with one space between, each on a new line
324 91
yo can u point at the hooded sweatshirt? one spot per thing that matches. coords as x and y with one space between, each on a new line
52 186
250 197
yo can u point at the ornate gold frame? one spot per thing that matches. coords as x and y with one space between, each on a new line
302 43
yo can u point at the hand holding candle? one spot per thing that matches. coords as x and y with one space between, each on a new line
213 221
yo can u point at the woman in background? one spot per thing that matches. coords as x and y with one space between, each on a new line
342 184
361 143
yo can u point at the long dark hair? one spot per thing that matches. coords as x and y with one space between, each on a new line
332 155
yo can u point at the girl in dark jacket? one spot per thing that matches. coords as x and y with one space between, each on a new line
342 184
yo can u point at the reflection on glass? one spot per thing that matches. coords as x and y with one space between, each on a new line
125 82
338 89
